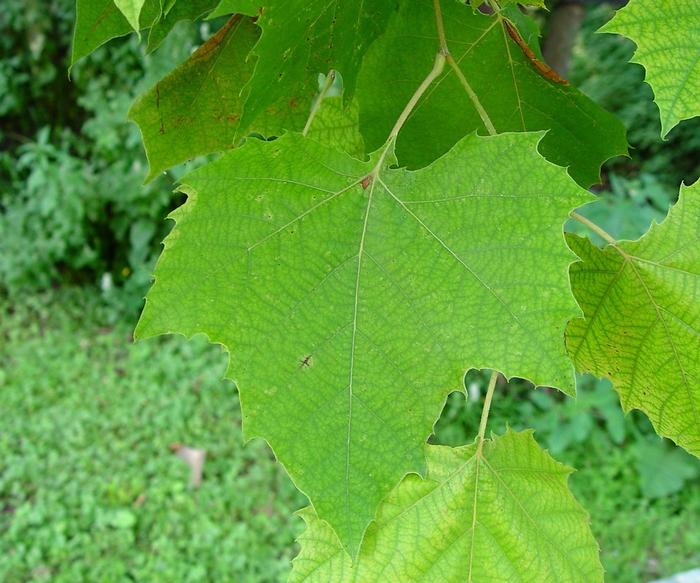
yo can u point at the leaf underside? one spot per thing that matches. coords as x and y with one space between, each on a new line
642 320
350 312
516 96
667 35
506 515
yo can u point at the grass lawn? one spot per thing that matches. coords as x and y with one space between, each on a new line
91 491
89 488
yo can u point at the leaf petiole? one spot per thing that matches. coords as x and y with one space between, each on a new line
435 72
330 79
485 413
445 50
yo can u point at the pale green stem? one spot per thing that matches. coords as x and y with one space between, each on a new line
438 66
593 227
445 50
319 100
485 412
486 120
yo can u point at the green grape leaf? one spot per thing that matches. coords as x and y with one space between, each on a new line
351 307
99 21
666 35
505 514
516 96
247 7
302 38
131 9
181 10
642 319
196 109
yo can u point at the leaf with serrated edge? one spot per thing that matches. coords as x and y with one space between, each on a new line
642 320
197 108
667 35
516 96
504 515
350 312
302 38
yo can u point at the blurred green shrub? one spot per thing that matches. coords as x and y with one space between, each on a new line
73 207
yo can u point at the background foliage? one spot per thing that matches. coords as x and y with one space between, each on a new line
88 488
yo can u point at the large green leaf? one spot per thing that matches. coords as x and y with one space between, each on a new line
503 515
642 319
98 21
352 307
302 38
516 96
197 108
667 35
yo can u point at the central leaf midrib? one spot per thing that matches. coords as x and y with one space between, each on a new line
360 254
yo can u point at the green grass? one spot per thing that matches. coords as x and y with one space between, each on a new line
90 491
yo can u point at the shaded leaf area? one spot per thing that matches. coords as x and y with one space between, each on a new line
370 297
666 35
197 108
505 514
98 21
642 319
302 38
516 96
247 7
179 11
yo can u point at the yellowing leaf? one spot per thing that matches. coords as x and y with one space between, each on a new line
642 320
351 307
503 515
197 108
667 35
